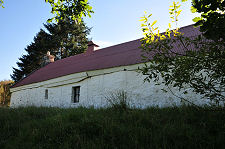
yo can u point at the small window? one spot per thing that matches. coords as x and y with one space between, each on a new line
46 94
76 94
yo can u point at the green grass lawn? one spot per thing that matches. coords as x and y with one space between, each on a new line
184 127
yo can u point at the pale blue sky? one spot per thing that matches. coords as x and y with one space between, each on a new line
114 22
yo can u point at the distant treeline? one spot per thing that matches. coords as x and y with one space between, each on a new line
5 92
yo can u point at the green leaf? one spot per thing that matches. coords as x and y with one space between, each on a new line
196 19
193 9
154 23
149 15
178 13
50 20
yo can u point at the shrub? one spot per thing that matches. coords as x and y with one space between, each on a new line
118 100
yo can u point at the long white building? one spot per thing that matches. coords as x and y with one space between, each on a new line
87 79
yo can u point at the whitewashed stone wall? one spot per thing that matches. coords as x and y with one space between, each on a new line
95 86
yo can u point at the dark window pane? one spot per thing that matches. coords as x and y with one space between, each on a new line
76 94
46 94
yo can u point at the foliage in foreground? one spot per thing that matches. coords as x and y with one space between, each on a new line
212 19
188 62
184 127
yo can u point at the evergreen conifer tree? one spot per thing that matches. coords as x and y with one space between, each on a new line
64 39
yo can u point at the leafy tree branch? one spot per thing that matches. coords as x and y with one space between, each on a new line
188 63
1 3
72 9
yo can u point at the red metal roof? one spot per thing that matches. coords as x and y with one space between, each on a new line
119 55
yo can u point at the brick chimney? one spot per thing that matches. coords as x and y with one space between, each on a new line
91 47
48 58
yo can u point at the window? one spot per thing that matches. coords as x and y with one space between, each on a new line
46 94
75 94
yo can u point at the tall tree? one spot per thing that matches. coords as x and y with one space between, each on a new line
68 38
64 39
